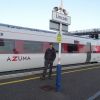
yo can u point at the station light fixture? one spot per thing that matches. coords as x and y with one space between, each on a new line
55 8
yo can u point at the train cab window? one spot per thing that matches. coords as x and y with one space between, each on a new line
33 47
6 46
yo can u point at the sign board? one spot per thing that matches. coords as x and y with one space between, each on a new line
59 38
61 17
54 25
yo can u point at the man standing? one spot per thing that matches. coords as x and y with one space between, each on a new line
49 58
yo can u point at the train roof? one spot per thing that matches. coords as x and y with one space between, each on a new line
73 33
26 28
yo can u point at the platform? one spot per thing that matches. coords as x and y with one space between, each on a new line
77 84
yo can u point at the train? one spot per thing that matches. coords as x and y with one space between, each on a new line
23 48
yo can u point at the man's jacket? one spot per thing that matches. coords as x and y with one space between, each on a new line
50 54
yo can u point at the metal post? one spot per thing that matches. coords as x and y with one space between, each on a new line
58 74
60 22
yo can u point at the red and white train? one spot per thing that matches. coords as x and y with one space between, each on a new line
23 48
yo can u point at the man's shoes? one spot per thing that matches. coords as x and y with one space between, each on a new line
42 78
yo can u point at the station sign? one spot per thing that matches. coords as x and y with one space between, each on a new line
54 25
61 17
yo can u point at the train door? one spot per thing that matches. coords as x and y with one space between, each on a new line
88 55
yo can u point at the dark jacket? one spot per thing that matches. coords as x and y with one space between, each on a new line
50 54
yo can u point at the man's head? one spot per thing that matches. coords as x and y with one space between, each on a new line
51 45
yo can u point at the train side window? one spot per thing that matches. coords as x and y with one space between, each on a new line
56 46
72 48
64 48
1 42
6 46
82 48
46 45
33 47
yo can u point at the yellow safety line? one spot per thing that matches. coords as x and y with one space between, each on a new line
33 78
83 69
17 81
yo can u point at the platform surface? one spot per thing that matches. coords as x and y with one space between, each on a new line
81 84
